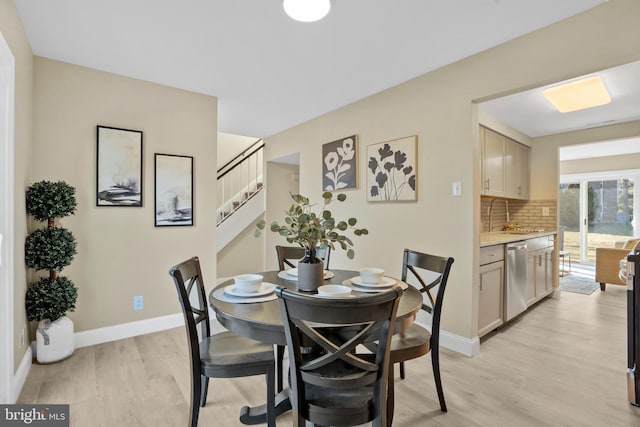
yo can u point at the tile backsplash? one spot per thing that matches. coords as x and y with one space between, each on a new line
526 213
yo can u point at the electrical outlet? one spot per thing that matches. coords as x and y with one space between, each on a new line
138 302
545 211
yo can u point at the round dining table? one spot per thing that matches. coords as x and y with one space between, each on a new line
262 321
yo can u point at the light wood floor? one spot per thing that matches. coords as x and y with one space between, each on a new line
561 364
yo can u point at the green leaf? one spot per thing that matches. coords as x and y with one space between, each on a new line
350 254
342 197
342 226
352 221
327 196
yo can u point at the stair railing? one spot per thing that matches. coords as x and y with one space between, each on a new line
239 180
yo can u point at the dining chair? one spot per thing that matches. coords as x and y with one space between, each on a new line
289 255
222 355
333 380
430 271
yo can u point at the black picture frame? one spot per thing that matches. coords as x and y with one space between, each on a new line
173 190
340 164
118 167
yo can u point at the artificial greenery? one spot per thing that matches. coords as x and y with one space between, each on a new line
51 248
310 230
51 300
51 200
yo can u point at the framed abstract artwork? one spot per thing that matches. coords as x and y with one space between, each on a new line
118 167
173 190
392 170
340 164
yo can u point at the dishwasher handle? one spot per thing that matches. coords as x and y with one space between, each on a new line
517 247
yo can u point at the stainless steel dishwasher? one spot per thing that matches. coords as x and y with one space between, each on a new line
516 298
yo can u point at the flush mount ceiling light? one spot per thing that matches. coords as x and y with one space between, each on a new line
578 94
307 10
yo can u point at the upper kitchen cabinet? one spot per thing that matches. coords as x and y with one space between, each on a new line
505 166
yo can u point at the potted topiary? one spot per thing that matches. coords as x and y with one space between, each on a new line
52 248
312 231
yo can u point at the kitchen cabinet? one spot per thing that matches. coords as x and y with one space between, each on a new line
505 166
493 155
491 289
539 269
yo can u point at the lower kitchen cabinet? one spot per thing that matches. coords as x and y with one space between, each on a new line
490 311
539 272
491 295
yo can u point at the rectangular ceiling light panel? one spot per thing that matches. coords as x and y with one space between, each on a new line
578 94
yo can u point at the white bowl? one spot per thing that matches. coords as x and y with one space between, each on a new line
247 283
371 275
334 291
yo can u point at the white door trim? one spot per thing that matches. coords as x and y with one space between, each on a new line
7 93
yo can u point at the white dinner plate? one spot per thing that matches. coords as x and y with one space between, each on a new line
385 283
293 272
264 289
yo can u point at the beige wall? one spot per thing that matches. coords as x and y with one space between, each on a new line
244 254
545 166
283 180
13 32
601 164
230 145
437 107
120 252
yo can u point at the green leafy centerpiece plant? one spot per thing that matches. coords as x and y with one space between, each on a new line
311 230
51 248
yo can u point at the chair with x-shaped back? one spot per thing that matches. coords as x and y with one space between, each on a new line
430 272
222 355
334 381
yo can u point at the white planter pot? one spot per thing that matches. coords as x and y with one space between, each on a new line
54 340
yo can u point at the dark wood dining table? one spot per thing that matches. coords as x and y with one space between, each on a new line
262 321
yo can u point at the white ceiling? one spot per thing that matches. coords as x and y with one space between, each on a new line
531 113
268 71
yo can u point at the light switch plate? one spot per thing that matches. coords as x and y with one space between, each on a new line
456 189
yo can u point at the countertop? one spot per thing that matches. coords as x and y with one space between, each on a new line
501 237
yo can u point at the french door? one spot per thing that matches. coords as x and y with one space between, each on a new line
597 210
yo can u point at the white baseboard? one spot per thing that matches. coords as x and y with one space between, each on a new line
21 375
465 346
127 330
462 345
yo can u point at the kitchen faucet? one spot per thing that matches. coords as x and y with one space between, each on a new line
491 214
506 203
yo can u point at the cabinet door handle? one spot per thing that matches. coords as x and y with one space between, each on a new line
486 184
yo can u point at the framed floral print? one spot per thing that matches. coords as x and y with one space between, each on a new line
173 190
392 170
340 164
